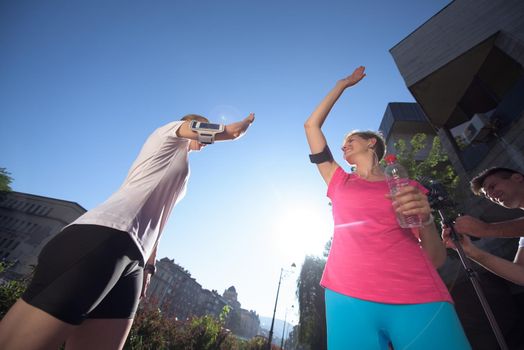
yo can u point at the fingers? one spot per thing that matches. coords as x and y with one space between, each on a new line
357 75
446 238
446 234
251 117
463 239
359 70
470 225
360 78
410 201
448 243
461 223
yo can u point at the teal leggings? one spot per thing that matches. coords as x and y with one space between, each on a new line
358 324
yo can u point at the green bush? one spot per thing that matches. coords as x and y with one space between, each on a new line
10 291
152 330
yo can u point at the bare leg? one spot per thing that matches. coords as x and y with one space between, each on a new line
26 327
100 334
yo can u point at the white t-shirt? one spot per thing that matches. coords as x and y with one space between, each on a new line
156 181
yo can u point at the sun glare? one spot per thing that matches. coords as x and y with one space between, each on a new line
301 228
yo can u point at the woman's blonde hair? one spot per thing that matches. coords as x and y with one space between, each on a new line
379 147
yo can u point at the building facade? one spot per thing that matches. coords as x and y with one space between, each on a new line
464 67
249 324
401 121
211 303
27 222
176 292
244 323
181 296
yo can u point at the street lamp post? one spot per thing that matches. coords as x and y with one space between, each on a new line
283 332
270 336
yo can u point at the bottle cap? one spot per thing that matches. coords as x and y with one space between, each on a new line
390 158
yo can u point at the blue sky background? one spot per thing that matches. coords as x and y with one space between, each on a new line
83 83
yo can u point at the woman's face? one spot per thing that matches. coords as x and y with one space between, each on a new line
356 147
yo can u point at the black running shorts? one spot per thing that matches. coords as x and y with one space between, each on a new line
87 271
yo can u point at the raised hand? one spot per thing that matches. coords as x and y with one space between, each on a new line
245 124
250 118
357 75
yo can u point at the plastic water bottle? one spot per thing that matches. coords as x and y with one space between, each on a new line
397 177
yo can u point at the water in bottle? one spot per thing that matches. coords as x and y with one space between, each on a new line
397 177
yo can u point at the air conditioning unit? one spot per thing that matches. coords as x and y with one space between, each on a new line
478 128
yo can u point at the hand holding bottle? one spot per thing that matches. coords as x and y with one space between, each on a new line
411 205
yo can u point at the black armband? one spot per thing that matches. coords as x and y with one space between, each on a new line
324 156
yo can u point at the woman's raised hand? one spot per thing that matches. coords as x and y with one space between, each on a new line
357 75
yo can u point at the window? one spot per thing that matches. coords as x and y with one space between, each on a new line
41 210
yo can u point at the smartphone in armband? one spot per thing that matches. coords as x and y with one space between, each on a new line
206 131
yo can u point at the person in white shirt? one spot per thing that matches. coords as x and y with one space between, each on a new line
91 275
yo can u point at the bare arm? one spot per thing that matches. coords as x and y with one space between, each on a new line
315 136
411 201
512 271
231 132
147 272
478 228
152 257
431 243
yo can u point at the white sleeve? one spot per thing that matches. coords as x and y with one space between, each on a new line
173 127
521 242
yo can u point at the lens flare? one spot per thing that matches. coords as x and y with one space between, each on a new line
349 224
225 113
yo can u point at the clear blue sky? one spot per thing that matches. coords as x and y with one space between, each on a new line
83 83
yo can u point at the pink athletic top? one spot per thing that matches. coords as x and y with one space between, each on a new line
371 256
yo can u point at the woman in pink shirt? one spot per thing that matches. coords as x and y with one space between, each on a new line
381 282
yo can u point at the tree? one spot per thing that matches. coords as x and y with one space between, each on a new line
312 317
327 248
436 166
154 330
5 180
